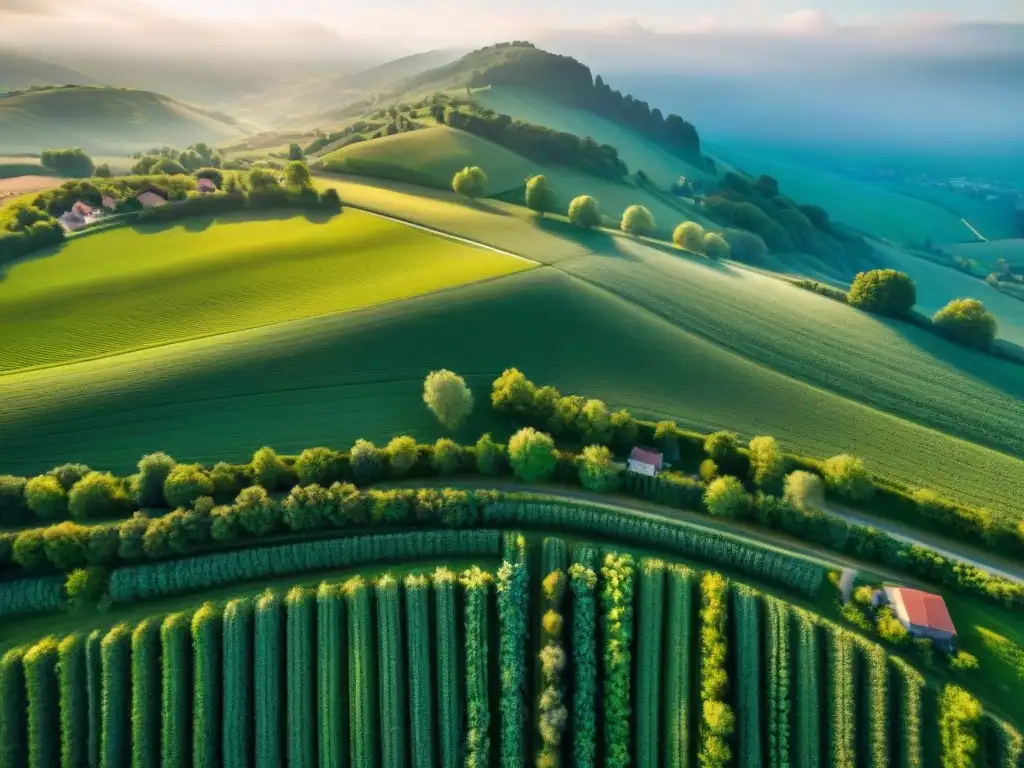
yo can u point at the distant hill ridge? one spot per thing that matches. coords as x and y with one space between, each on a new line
18 71
103 119
521 64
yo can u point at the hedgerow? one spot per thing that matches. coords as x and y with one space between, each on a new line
449 700
476 585
142 582
911 685
237 706
175 691
418 651
268 686
552 715
780 682
583 583
300 676
115 656
747 606
718 722
617 574
391 674
512 586
361 689
13 709
650 614
145 692
332 735
679 643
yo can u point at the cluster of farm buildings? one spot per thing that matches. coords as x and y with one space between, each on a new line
82 214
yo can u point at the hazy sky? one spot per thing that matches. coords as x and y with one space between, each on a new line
414 24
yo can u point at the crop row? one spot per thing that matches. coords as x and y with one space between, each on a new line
778 662
552 714
717 719
748 676
650 621
910 690
513 588
583 584
617 576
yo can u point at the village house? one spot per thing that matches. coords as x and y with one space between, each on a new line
109 203
205 186
924 615
71 221
644 461
150 199
81 209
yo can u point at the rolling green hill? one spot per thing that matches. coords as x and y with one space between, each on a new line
96 296
335 378
713 346
104 120
431 157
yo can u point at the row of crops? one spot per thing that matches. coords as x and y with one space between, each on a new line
562 656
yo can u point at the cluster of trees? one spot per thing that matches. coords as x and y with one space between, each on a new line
537 142
68 162
24 229
691 236
671 131
893 293
758 206
170 161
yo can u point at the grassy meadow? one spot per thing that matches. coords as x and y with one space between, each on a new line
431 157
135 287
331 379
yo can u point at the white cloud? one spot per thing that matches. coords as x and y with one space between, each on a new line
805 21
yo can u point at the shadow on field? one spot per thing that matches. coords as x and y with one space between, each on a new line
1003 375
201 223
597 240
485 207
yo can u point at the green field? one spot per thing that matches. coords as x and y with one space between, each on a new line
938 285
431 157
103 120
638 153
333 379
137 287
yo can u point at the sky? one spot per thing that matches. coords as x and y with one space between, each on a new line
414 24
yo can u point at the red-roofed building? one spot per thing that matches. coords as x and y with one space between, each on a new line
644 461
206 185
922 613
81 209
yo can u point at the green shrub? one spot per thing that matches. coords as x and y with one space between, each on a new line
804 490
847 476
532 455
446 456
227 481
29 550
968 322
97 495
962 661
597 471
448 397
12 499
64 545
46 497
863 595
726 497
257 512
708 470
470 182
767 464
716 246
320 466
308 507
402 454
101 544
690 236
268 470
746 247
131 534
721 446
585 212
153 471
224 525
186 483
540 196
637 220
490 456
883 291
367 462
85 586
69 474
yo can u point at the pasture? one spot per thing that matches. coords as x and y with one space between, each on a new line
135 287
332 379
431 156
24 186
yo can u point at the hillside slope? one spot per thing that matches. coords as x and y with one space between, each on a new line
333 379
104 120
18 71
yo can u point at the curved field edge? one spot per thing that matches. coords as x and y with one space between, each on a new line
137 287
331 380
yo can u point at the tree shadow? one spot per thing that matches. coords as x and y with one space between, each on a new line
984 367
485 206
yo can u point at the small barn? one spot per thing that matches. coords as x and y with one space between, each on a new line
109 203
150 199
923 614
644 461
206 186
71 221
81 209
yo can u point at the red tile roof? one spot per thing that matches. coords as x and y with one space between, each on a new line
927 610
647 456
